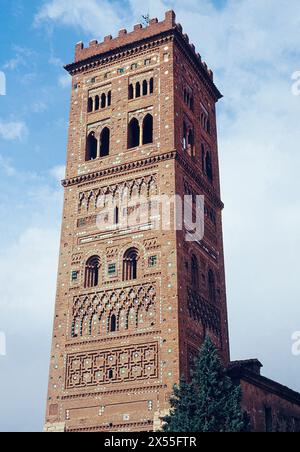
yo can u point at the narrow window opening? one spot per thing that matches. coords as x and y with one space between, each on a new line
92 147
138 90
184 136
103 101
148 129
145 88
113 324
133 134
97 103
208 167
117 216
151 86
109 99
90 105
105 142
130 92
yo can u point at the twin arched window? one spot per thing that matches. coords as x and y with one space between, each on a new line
135 137
130 264
95 149
92 268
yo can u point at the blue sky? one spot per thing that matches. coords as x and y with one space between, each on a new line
253 47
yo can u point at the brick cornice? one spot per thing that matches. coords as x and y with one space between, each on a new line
129 50
119 53
118 169
138 164
112 392
107 428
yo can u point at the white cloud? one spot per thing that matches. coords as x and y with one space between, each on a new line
92 16
64 81
7 167
13 130
58 172
22 57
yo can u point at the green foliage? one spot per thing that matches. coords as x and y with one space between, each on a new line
210 403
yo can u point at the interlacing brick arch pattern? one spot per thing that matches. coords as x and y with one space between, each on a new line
145 187
124 309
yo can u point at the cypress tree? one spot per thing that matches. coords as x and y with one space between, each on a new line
210 403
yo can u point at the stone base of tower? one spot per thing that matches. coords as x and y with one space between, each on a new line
57 427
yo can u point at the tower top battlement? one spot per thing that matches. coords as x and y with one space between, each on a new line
139 33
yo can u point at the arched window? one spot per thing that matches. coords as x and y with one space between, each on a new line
208 167
195 273
92 272
104 142
113 324
133 134
103 101
97 103
130 92
151 85
90 105
109 99
145 88
148 129
138 90
130 265
211 286
91 147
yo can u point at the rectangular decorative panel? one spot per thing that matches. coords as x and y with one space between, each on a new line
118 365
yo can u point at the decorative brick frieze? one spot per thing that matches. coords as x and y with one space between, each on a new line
120 365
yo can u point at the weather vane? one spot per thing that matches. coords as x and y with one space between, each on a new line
146 19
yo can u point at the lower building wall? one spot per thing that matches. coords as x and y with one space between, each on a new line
269 412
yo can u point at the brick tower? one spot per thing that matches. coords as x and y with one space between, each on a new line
134 304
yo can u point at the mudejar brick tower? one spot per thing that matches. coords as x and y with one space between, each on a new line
133 305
